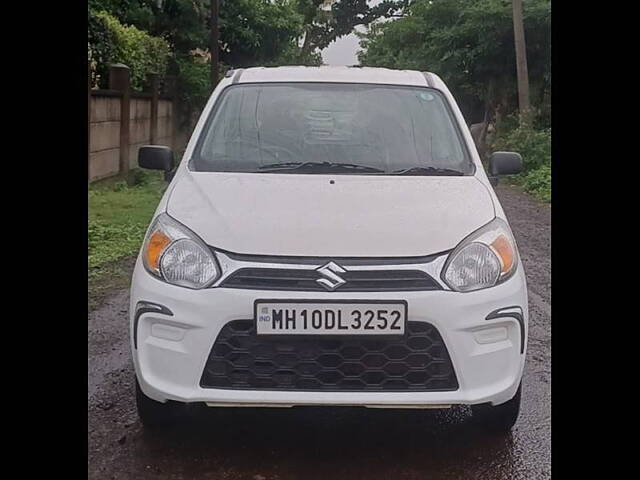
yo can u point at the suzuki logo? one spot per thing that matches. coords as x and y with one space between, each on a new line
331 280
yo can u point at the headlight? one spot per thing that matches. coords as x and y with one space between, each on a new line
485 258
175 254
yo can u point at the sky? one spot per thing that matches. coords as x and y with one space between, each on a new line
343 50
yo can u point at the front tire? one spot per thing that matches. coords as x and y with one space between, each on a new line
157 415
499 418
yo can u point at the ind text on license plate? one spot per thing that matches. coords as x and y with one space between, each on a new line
330 318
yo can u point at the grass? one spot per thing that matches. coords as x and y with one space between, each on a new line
118 219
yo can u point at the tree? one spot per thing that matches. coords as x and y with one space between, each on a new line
257 32
252 32
521 62
470 44
327 20
112 42
215 39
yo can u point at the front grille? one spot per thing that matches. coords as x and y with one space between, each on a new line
306 280
416 361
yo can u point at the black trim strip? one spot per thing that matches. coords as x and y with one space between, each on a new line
502 313
146 307
427 78
345 261
236 76
258 278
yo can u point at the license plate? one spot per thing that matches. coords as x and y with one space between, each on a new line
277 317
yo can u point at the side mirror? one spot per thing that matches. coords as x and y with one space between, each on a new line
505 163
155 157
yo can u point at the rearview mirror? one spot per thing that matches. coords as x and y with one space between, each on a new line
505 163
155 157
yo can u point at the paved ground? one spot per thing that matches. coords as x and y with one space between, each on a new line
313 443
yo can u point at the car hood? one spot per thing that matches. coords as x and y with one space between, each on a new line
330 215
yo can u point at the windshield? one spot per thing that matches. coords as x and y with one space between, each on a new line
329 127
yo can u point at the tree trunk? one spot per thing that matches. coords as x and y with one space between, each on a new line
214 43
524 103
306 44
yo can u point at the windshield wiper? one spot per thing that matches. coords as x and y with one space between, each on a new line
289 166
428 171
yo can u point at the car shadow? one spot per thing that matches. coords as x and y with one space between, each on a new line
341 442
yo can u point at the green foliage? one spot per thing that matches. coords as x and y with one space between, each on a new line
257 32
538 182
469 43
533 145
101 49
112 42
194 72
120 186
252 32
141 52
141 177
293 55
535 148
120 9
184 23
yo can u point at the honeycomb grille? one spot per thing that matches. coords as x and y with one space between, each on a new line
416 361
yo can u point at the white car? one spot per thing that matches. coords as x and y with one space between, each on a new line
330 237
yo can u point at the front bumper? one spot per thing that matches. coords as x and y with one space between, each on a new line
171 350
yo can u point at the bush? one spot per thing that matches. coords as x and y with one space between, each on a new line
538 182
535 148
533 145
102 42
112 42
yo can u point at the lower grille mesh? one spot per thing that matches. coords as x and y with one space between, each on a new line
416 361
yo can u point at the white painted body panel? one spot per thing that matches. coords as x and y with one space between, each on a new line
381 76
357 216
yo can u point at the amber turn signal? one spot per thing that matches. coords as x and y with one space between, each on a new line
504 250
158 242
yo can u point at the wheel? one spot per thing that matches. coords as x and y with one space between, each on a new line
157 415
498 418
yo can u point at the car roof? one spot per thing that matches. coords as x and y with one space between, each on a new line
329 74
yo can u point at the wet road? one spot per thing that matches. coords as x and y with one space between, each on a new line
337 443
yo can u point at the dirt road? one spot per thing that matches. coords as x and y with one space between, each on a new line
318 443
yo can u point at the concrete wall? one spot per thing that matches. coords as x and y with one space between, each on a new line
104 137
165 122
104 133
